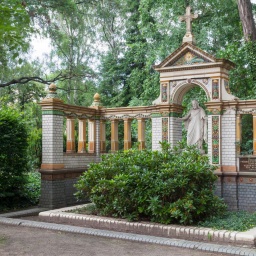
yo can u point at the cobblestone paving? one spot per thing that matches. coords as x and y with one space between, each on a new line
26 241
199 247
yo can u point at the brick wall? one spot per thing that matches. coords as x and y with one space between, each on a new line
156 133
52 194
58 193
175 130
52 143
79 160
228 124
247 197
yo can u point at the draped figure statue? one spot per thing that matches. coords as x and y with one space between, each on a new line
196 126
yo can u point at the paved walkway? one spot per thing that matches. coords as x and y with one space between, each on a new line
23 237
25 241
27 237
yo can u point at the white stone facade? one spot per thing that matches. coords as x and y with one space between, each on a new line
156 133
97 128
228 131
79 161
175 130
52 142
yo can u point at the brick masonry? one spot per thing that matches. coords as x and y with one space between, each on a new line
52 143
175 130
79 160
150 228
58 193
238 190
156 133
228 124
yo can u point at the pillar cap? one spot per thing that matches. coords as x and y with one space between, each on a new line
52 94
96 101
96 97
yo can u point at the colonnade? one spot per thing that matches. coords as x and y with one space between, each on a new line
92 134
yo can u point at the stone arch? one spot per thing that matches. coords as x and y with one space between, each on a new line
182 88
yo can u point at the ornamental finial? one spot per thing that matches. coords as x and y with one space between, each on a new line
188 18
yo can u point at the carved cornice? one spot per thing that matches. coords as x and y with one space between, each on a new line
198 66
162 67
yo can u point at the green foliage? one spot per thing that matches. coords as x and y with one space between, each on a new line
172 186
13 147
247 135
235 221
242 78
15 30
33 118
31 189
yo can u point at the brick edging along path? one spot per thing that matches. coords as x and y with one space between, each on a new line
64 215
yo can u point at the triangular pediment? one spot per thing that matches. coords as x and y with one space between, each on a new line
187 54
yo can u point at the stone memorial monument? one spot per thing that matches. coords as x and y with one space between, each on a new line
196 126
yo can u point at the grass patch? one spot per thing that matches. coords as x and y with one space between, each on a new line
2 240
89 209
233 221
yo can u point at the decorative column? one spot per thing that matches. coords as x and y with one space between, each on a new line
238 134
52 174
215 139
52 126
95 127
97 137
91 136
70 130
82 136
114 135
127 134
254 133
215 111
103 136
141 133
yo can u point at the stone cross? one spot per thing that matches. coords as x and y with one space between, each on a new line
188 17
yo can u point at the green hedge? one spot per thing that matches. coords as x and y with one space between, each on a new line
13 157
172 186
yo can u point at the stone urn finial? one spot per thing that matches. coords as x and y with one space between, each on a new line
96 97
52 92
96 101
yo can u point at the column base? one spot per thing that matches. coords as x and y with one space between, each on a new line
57 187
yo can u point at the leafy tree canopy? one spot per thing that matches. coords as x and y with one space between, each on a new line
15 30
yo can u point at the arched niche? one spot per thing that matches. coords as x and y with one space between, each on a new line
179 92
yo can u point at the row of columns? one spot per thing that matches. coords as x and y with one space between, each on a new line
97 135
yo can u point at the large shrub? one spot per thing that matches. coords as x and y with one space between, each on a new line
172 186
13 160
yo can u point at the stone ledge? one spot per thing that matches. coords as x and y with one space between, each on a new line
62 215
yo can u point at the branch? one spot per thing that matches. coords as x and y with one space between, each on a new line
59 77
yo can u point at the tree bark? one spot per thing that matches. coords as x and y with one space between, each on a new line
246 17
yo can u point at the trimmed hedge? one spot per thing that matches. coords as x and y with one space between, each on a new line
13 156
171 186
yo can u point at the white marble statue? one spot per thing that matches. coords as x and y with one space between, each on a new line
196 126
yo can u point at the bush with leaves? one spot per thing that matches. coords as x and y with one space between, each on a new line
171 186
32 188
13 160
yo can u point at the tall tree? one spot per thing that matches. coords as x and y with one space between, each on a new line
246 16
15 30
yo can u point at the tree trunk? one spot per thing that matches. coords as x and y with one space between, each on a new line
246 17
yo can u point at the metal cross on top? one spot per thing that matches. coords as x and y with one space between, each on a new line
188 17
